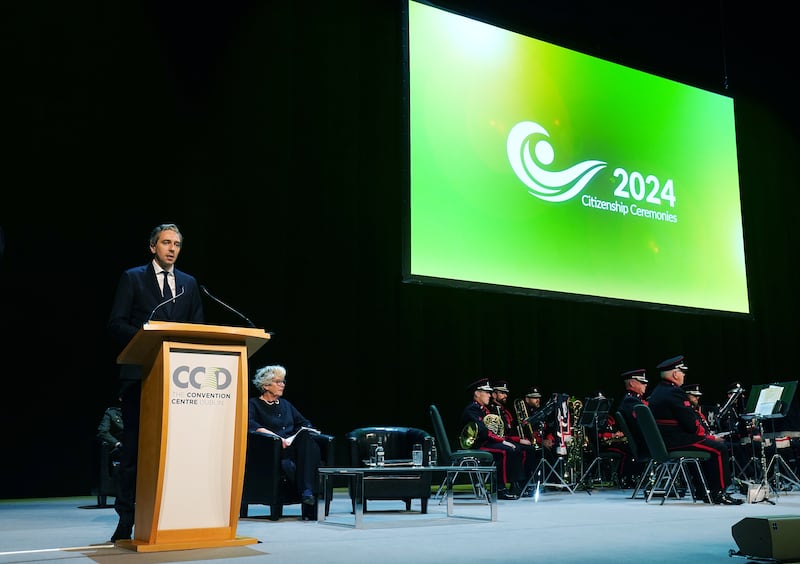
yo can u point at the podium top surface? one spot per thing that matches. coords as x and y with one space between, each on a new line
148 339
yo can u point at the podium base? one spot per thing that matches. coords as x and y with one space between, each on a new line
141 546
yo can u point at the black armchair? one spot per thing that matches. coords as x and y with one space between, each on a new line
265 481
397 442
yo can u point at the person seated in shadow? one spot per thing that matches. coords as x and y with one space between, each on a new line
271 414
635 382
109 433
785 424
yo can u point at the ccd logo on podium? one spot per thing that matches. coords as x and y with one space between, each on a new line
201 377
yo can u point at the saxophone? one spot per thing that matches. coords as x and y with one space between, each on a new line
614 438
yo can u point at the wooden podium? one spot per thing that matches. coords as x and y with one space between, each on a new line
192 433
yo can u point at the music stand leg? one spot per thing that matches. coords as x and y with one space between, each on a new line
544 472
582 480
777 464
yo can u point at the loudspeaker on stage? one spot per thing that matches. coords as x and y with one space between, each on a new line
776 537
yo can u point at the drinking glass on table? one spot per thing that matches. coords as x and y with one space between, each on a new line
416 454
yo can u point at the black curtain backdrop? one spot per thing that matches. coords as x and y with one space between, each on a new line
273 134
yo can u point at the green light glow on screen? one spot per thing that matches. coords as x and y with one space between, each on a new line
536 167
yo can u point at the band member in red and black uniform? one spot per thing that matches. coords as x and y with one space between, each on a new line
738 454
635 382
610 438
678 425
543 431
497 404
635 387
507 457
693 394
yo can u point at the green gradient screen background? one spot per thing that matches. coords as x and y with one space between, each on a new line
474 220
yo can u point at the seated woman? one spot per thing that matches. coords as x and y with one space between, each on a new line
271 414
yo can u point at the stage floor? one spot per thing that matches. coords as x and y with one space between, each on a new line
604 526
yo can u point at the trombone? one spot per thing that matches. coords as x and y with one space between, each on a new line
524 427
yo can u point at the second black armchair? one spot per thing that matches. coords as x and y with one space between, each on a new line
405 484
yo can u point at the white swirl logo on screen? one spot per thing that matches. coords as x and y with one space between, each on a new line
551 186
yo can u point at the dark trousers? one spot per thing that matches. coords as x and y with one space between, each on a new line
530 459
717 469
305 453
125 502
508 461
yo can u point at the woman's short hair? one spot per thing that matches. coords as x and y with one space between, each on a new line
264 376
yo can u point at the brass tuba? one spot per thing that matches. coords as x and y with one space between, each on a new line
579 441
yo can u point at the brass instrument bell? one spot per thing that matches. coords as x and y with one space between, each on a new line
469 434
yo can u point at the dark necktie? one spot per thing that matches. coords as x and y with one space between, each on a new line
166 292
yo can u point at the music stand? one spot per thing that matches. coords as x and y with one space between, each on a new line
771 402
593 411
544 469
729 414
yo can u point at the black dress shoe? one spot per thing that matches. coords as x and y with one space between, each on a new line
308 513
722 498
308 500
123 532
505 494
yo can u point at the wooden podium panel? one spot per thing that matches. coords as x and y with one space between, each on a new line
193 434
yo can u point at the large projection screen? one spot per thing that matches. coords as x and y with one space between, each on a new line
537 169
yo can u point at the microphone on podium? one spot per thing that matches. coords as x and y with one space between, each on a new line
165 302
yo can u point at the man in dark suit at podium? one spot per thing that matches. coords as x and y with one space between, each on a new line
156 291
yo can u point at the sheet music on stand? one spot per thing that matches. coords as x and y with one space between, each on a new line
772 403
768 400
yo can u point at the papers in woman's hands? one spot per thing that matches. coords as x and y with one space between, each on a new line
290 440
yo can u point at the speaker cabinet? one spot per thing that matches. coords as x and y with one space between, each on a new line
776 537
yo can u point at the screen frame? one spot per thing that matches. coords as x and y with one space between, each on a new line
408 277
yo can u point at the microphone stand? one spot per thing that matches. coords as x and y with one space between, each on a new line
226 306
